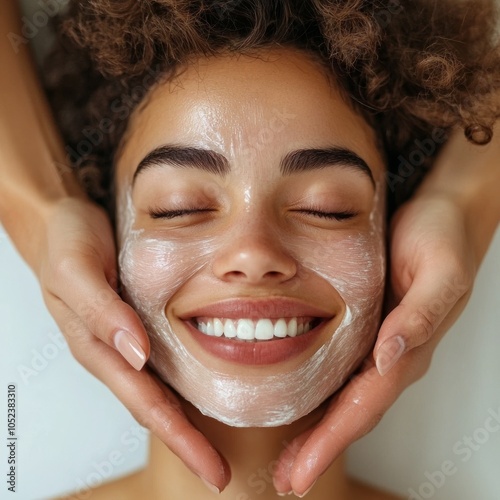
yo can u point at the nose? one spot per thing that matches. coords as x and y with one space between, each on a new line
254 258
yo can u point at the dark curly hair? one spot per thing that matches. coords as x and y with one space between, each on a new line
414 70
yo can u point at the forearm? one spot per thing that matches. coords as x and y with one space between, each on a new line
469 176
32 158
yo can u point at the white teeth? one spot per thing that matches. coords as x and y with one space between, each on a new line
264 329
245 330
218 327
280 328
210 328
229 329
250 330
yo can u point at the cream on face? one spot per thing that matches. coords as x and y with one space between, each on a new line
256 234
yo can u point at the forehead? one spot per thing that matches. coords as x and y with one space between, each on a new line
276 101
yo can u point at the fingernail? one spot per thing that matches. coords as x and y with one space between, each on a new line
284 494
210 486
389 353
130 349
307 491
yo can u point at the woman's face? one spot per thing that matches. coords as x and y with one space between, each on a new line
250 224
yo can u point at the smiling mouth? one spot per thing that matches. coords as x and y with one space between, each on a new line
255 330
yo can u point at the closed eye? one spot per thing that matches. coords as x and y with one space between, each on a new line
340 216
172 214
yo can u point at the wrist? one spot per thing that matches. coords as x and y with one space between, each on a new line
466 172
468 176
25 210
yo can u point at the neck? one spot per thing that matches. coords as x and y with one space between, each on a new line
252 455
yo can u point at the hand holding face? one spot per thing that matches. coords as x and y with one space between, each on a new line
432 269
77 272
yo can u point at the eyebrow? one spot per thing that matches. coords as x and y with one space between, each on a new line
301 160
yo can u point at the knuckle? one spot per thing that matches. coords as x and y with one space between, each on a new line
63 269
422 321
372 420
155 416
460 273
96 313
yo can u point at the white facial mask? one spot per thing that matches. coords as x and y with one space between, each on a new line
152 270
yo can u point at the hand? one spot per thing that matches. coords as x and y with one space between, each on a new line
431 274
77 272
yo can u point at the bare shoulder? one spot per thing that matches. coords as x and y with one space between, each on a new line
363 491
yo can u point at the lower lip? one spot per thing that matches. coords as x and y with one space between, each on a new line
263 352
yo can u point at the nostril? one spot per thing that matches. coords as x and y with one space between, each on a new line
236 274
273 274
254 267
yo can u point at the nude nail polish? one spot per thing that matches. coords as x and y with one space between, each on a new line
389 353
130 349
210 486
307 491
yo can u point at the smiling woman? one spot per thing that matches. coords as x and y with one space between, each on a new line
256 280
255 253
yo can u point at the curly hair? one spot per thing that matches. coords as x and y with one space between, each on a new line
413 70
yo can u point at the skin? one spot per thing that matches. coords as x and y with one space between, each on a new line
164 470
262 236
201 108
67 241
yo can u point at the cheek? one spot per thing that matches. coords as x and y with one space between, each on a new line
153 270
354 265
355 268
149 267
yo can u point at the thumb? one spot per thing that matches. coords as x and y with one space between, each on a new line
415 319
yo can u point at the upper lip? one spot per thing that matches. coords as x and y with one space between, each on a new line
271 307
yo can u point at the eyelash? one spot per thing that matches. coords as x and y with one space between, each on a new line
339 216
172 214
